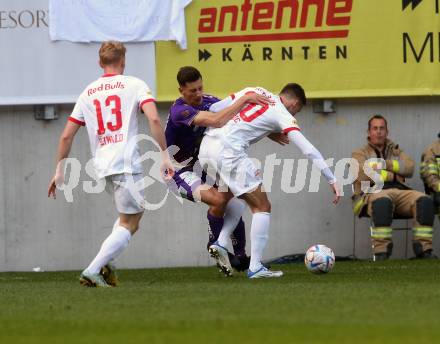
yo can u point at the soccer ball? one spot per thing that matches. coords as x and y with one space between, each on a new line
319 259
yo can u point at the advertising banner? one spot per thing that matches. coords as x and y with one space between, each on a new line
333 48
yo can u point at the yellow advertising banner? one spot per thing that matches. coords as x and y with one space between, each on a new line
333 48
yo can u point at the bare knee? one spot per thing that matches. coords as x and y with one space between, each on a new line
130 222
132 228
262 206
257 201
218 203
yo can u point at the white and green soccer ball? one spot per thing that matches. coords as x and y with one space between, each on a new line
319 259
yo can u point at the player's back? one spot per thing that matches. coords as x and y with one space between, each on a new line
253 122
108 107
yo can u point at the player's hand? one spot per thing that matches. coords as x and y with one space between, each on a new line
51 192
337 191
167 170
57 179
255 98
279 138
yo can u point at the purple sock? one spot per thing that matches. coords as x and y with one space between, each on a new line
215 227
238 238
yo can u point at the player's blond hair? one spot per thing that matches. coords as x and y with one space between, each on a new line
111 53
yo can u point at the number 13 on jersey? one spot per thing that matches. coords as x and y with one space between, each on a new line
114 104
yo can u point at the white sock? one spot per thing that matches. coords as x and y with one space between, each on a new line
233 212
259 235
110 249
115 226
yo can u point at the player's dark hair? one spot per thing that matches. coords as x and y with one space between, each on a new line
377 116
188 74
295 90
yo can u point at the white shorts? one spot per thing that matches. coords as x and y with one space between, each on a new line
127 191
233 166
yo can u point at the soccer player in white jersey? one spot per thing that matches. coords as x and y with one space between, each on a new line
108 107
224 152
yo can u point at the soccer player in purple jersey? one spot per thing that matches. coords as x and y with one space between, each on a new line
188 118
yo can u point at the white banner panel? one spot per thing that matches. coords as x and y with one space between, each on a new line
119 20
35 70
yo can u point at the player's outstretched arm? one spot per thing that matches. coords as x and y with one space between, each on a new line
299 140
156 128
219 119
64 146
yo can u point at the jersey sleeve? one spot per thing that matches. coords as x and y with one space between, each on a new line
77 115
312 154
222 104
183 115
286 122
144 94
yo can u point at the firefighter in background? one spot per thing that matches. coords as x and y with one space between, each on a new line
381 193
430 172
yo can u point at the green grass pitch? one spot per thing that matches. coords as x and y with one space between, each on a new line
358 302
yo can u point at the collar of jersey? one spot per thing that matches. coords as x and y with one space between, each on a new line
109 75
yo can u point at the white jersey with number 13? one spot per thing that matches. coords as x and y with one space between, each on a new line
108 107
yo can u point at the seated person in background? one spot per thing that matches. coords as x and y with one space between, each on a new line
430 172
395 198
